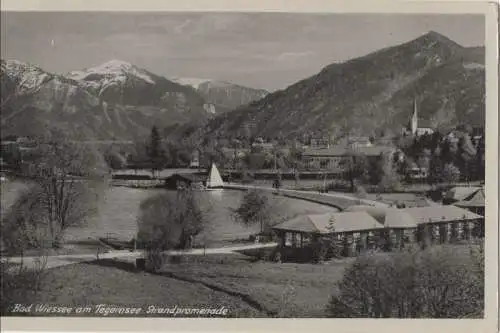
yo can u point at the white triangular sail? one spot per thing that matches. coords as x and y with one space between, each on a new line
214 178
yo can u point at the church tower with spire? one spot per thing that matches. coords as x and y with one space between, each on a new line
412 127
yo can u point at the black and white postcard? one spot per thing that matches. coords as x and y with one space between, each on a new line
169 162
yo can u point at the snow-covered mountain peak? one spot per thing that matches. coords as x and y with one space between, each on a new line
190 81
27 76
117 69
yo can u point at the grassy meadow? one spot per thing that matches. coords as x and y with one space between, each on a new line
247 289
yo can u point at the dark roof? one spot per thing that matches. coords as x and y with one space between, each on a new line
187 176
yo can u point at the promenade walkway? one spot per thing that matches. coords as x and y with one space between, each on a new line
68 259
338 200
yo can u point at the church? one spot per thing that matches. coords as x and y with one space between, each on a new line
412 128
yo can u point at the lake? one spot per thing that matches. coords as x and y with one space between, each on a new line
119 209
118 213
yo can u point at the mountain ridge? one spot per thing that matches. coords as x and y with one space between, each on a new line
115 99
371 93
223 95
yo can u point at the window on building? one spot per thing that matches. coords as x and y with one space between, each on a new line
306 240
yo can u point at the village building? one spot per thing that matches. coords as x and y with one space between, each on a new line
179 181
332 159
320 143
264 146
356 142
195 160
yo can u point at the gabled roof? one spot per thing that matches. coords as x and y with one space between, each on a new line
476 199
329 223
354 221
435 214
389 217
318 223
461 192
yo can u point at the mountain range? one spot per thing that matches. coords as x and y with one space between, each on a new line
371 94
114 100
361 96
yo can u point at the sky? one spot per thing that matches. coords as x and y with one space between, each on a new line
259 50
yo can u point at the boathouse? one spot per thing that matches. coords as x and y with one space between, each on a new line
183 180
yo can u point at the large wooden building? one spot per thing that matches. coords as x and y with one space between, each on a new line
362 228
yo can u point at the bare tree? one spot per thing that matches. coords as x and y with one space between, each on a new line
68 180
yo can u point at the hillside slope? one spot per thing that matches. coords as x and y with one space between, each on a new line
372 93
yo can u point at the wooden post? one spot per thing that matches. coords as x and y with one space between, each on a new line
364 241
398 233
345 245
443 232
467 231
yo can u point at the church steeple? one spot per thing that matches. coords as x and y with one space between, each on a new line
413 123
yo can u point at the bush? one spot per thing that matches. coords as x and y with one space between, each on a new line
439 282
167 222
360 192
19 285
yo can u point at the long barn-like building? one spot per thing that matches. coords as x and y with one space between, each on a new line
362 228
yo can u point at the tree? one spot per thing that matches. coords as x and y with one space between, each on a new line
254 209
21 230
169 221
480 159
436 166
154 151
451 174
376 169
434 283
465 156
114 159
390 179
354 166
68 179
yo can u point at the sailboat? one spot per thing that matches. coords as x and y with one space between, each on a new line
214 181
